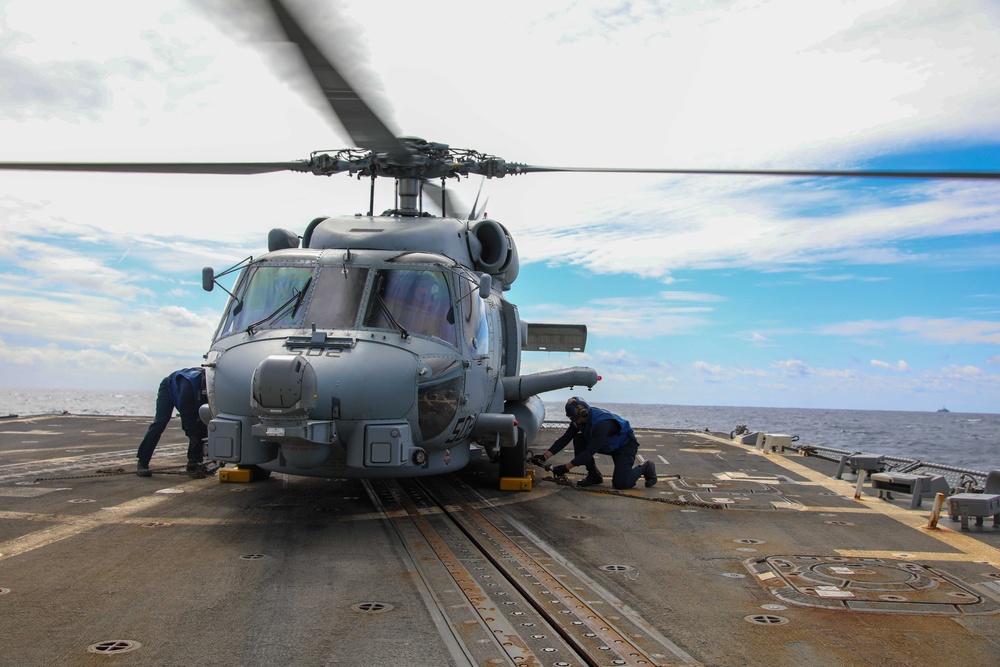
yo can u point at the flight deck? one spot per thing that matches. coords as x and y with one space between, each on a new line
736 556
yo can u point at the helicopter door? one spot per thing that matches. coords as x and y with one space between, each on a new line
511 359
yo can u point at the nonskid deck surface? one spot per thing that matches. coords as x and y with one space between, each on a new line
733 558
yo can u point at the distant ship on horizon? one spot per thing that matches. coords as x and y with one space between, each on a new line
944 409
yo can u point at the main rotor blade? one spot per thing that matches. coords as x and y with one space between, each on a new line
163 167
363 125
446 200
801 173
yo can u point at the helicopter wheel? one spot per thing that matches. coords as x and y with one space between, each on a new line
513 459
258 474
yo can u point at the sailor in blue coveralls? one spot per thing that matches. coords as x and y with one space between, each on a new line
596 431
185 391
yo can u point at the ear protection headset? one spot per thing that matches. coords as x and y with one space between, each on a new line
576 409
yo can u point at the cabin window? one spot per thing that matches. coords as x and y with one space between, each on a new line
336 298
418 301
269 297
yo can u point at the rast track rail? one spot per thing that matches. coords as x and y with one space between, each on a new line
505 597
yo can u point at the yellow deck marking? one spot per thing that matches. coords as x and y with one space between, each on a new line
907 555
25 516
973 549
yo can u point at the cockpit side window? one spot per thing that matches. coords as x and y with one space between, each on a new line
419 301
270 297
477 333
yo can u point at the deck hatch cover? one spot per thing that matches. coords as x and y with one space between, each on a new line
868 584
114 646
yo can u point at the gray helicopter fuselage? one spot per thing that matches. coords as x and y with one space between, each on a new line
373 352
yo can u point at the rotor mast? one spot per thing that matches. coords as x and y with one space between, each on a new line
408 196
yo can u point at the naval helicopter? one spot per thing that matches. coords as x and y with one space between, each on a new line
383 345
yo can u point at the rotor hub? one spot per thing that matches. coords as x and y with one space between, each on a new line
424 160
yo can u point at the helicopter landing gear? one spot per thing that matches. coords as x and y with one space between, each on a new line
258 474
514 466
513 459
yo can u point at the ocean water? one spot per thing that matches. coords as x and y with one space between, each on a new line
966 440
76 401
959 439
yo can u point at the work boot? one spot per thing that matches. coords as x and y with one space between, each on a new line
593 478
142 469
649 472
192 466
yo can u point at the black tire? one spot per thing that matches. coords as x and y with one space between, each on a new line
258 474
513 461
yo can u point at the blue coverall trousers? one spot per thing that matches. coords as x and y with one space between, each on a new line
624 476
164 411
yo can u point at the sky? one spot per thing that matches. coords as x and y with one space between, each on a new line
696 290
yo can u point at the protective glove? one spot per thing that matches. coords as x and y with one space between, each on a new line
539 461
560 471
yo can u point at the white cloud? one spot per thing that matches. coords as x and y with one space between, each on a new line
77 321
229 103
844 277
742 83
691 296
630 317
53 364
710 370
757 338
962 372
621 358
637 379
901 365
951 331
184 318
793 367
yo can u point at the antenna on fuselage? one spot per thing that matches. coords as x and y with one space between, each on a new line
371 199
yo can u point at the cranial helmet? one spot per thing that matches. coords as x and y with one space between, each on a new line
577 408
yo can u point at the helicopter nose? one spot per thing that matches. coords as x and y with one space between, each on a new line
283 386
283 394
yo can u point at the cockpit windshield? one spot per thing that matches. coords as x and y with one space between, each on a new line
336 298
271 297
267 297
418 301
